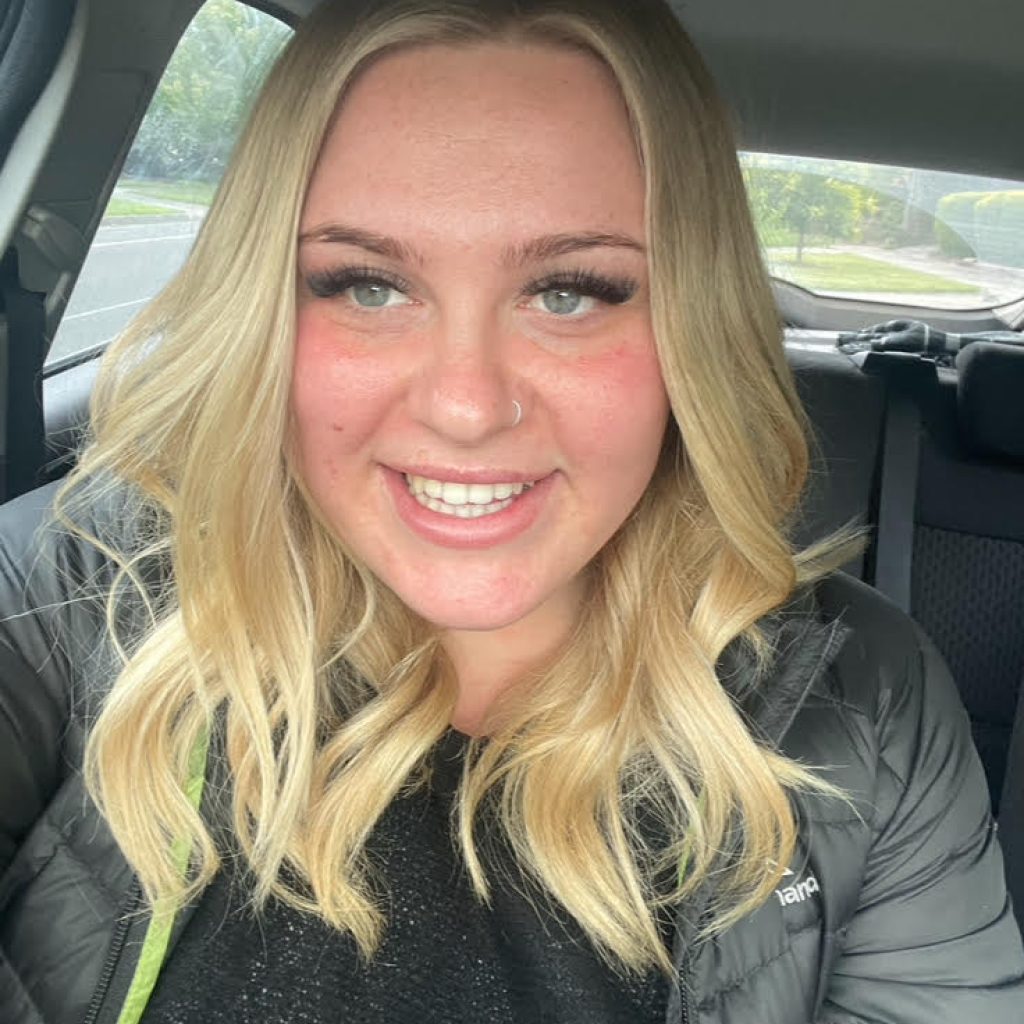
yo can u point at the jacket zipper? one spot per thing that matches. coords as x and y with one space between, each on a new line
117 942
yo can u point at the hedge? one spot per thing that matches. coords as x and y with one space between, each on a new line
954 223
999 220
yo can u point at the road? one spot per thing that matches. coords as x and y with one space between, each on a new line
126 266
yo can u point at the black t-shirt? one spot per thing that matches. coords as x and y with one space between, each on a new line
444 958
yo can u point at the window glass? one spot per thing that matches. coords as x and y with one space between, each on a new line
889 234
171 172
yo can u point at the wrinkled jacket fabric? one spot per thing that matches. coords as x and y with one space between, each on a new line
893 910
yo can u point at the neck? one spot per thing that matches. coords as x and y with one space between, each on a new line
489 662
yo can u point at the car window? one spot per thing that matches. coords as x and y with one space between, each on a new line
889 234
171 172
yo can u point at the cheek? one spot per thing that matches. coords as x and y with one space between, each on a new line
338 387
617 408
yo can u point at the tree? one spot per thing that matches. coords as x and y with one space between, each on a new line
820 206
801 205
204 96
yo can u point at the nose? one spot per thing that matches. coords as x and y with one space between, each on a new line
465 392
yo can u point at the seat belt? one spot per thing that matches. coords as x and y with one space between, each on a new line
24 433
897 495
1011 811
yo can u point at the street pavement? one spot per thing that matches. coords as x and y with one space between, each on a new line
126 266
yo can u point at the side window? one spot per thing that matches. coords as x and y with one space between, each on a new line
886 234
171 172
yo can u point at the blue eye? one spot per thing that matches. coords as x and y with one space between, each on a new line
576 294
363 287
564 301
372 294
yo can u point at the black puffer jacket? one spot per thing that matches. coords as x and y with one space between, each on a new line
898 915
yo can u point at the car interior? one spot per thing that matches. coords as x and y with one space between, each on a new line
922 445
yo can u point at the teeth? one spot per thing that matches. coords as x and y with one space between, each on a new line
466 501
454 494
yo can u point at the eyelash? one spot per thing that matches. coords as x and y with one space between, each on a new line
612 291
326 284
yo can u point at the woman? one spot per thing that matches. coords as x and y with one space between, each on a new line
425 599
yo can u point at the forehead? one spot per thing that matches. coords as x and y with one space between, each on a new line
489 129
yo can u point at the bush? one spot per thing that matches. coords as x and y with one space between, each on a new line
954 223
999 220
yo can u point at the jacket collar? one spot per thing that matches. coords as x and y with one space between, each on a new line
803 648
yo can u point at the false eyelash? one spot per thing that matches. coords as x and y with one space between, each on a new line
610 290
325 284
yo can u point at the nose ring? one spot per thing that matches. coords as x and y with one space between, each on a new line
519 413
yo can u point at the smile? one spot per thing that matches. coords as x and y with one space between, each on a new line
464 501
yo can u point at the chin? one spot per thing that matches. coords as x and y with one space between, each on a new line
467 615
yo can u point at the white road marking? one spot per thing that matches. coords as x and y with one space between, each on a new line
137 241
105 309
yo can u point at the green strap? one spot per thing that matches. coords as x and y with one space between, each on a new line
158 934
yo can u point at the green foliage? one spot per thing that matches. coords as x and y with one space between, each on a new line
797 208
954 224
205 93
999 220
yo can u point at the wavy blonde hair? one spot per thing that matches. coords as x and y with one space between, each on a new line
328 694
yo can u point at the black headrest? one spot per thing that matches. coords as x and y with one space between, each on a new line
990 399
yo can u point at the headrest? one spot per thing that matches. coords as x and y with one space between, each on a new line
990 399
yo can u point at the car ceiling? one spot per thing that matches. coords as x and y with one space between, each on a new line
924 83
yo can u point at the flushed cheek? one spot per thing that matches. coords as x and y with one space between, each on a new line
615 406
338 388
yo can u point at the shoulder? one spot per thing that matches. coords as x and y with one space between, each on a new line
32 584
53 589
887 670
887 725
45 570
56 661
886 719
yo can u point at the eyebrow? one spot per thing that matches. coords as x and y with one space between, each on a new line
549 246
382 245
536 250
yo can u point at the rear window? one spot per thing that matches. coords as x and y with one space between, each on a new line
889 234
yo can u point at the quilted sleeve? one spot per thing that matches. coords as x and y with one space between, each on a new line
933 939
34 673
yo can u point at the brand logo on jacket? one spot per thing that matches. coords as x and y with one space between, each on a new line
798 891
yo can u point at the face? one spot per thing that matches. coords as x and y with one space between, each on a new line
476 399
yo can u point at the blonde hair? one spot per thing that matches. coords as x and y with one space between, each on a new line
327 692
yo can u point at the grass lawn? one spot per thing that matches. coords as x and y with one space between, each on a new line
119 207
198 192
847 272
784 238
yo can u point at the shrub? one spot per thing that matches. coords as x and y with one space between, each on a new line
999 221
954 223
